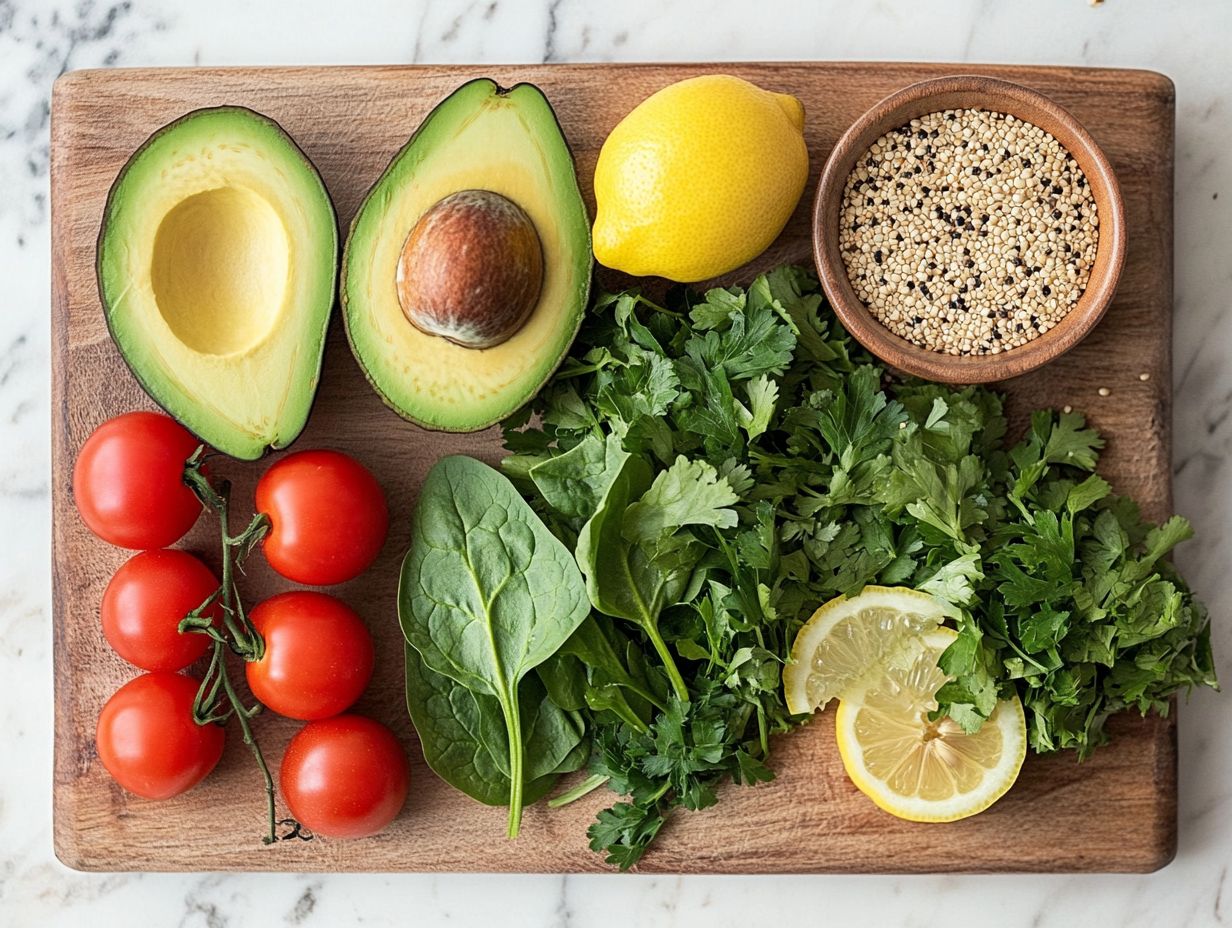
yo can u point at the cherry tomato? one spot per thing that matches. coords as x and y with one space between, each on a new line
144 602
147 738
318 655
128 481
345 777
327 517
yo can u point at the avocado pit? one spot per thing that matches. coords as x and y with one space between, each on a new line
471 269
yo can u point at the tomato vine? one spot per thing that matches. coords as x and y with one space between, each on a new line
217 700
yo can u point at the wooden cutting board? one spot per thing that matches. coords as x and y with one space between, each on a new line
1115 812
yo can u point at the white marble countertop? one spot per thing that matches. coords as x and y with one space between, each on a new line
38 40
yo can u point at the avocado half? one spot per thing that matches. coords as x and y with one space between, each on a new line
480 138
217 262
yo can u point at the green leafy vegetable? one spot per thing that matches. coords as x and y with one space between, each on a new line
464 738
486 595
634 550
1088 618
598 667
722 464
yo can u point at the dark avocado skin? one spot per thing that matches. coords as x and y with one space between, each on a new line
410 144
117 185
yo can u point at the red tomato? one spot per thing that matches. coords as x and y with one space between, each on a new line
147 738
144 602
327 517
345 777
128 481
318 655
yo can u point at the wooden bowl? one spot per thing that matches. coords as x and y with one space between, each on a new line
969 92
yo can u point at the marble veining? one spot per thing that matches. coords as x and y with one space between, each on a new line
39 40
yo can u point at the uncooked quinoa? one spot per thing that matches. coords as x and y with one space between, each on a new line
968 231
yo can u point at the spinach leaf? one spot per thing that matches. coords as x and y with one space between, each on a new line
487 593
601 669
463 737
575 482
633 552
566 680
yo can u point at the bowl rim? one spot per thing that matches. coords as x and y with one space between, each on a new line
997 95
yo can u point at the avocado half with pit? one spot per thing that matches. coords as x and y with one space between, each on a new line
217 263
467 269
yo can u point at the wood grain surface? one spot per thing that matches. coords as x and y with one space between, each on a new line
1116 812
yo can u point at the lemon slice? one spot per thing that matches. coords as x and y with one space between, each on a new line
849 641
920 770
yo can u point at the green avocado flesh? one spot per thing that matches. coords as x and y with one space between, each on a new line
481 137
217 262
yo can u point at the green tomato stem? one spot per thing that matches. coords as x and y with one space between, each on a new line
243 715
228 568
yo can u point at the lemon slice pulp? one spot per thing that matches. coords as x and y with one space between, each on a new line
920 770
850 640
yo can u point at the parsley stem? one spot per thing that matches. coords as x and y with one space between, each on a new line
650 304
591 783
1025 656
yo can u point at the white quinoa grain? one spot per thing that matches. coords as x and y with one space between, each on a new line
968 231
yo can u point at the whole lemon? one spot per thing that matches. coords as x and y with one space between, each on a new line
699 179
